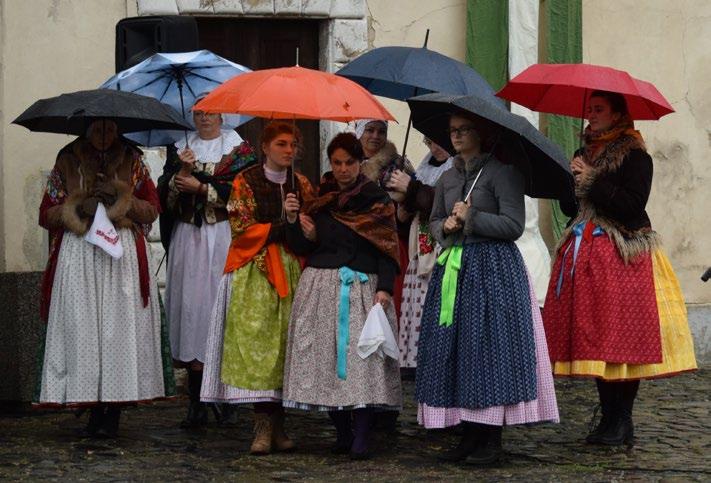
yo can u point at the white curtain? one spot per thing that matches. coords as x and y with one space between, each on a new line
523 52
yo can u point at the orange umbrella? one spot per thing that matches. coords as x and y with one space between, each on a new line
294 93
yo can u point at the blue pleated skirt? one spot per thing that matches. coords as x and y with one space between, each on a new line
487 356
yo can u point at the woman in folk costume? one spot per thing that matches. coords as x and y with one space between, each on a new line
381 161
482 358
194 188
422 248
103 342
349 237
248 327
614 309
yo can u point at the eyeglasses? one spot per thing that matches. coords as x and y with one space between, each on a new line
460 131
205 114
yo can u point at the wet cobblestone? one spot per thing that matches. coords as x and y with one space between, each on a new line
673 433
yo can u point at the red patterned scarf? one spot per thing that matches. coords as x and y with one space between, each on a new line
363 207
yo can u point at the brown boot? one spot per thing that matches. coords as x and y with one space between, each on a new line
280 441
262 443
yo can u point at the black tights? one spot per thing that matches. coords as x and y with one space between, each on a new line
617 395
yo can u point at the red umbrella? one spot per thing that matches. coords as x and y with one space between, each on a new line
565 89
294 93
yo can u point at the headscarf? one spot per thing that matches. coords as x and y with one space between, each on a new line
362 207
595 142
361 123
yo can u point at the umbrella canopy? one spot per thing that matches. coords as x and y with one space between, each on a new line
517 142
402 72
176 79
294 93
566 88
73 113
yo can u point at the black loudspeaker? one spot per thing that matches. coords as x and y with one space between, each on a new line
137 38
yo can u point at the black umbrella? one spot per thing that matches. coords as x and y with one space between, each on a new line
73 113
516 141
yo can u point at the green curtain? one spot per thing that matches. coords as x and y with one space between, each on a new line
488 40
563 44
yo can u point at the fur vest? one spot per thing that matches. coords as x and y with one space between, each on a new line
613 195
79 165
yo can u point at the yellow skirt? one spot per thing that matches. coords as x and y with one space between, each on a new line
677 344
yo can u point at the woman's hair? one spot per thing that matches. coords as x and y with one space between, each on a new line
617 102
347 142
275 128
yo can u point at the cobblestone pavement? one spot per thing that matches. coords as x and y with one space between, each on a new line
673 432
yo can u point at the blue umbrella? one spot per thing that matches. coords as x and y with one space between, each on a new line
176 79
403 72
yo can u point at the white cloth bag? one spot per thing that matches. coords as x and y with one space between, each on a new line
377 336
103 234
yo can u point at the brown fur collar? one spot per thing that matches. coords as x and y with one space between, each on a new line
630 244
372 167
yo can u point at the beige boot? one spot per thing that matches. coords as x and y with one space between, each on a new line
262 443
280 441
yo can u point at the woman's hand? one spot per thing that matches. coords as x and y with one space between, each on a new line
383 298
399 181
460 211
451 225
87 208
291 207
308 227
187 158
189 184
579 167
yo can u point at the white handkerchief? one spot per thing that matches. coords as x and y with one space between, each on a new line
103 234
377 336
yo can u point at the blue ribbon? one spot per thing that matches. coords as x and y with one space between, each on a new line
347 276
578 231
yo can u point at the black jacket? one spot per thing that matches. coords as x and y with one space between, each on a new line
621 194
339 246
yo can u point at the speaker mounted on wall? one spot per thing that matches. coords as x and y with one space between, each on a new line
137 38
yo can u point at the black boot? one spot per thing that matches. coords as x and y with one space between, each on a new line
197 411
471 436
489 449
96 417
225 414
607 395
344 432
621 430
362 422
110 423
386 421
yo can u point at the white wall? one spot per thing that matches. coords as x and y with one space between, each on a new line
668 44
48 47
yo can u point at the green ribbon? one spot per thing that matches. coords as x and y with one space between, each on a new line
451 258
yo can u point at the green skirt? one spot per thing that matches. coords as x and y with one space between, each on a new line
256 323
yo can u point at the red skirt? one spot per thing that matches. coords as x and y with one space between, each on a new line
606 310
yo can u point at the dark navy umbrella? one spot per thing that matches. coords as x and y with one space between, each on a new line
516 141
403 72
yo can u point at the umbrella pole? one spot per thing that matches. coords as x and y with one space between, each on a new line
182 106
409 121
293 163
582 116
